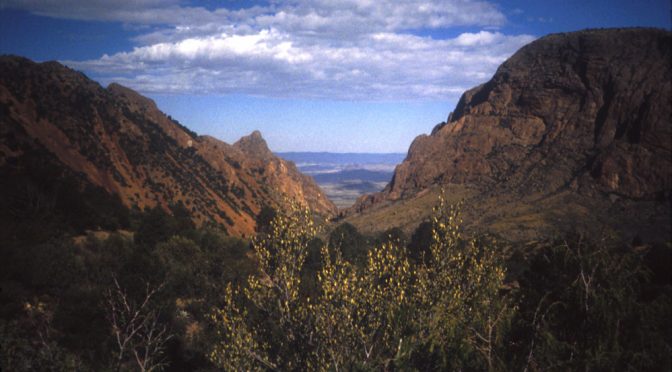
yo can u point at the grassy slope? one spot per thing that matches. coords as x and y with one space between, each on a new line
517 218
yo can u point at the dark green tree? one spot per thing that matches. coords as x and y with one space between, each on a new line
155 226
420 242
184 265
352 244
264 218
393 235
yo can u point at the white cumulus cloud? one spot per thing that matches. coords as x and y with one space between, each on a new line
345 49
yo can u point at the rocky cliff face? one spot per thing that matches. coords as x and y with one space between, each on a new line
586 113
117 140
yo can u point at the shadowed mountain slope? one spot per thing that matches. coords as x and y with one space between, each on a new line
574 129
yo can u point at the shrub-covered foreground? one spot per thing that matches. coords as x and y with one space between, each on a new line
578 306
180 298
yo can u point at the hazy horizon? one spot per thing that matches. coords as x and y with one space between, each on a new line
336 153
344 177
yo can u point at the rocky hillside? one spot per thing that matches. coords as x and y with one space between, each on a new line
571 121
55 124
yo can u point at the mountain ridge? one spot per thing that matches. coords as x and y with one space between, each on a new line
585 115
120 141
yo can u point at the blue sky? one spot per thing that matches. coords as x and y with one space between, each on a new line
311 75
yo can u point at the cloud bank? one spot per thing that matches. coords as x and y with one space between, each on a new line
331 49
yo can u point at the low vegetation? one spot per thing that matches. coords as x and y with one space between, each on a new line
176 297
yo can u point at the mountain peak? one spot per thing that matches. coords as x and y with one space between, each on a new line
253 145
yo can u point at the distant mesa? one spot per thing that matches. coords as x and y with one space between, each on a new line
574 130
57 124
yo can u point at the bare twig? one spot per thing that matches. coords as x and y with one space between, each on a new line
136 328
